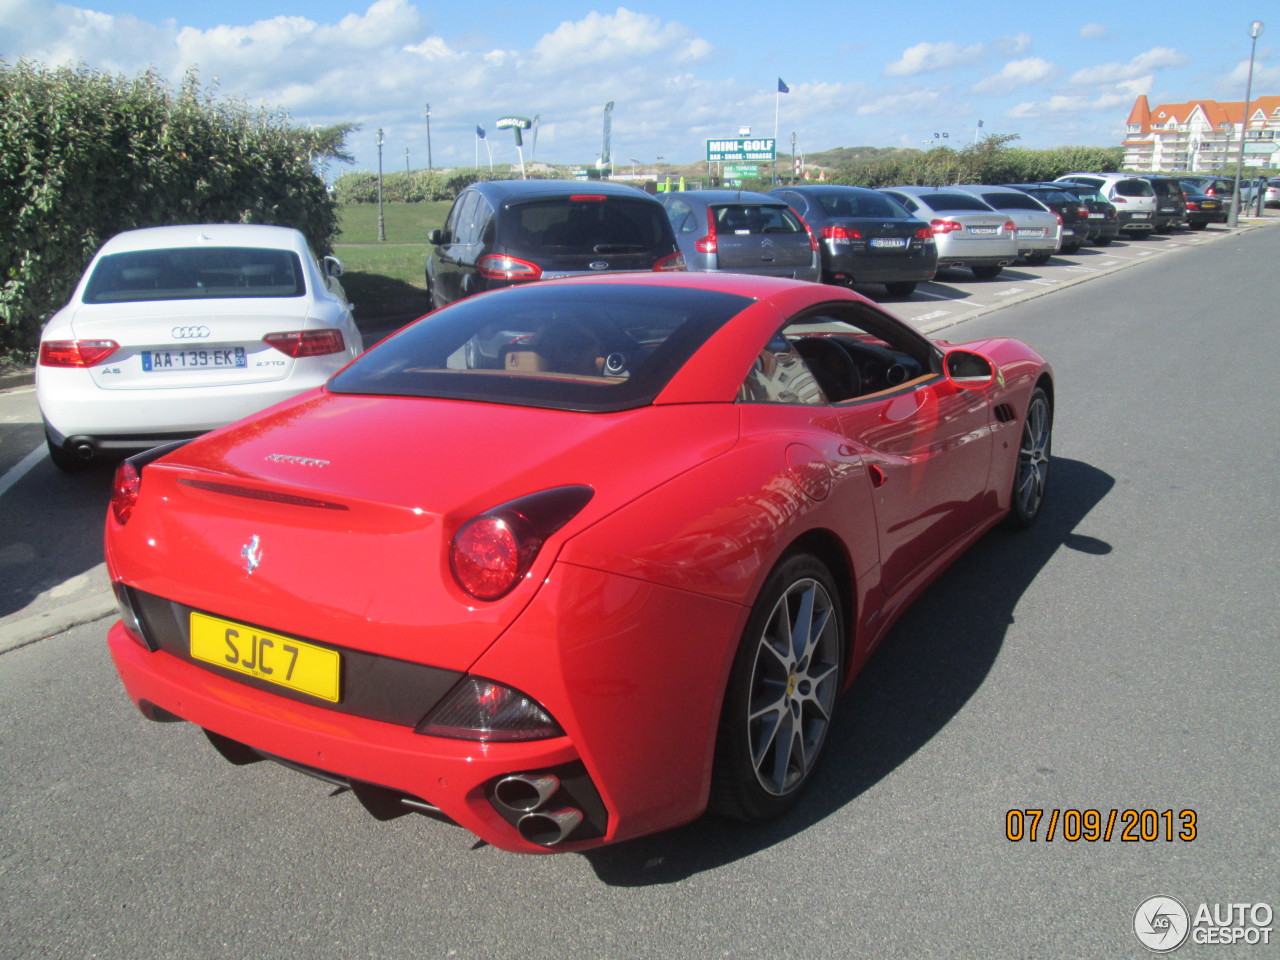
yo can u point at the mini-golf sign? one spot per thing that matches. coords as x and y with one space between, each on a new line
737 151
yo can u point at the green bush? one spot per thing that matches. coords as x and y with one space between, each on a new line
85 155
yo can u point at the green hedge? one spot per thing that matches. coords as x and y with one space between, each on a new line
85 155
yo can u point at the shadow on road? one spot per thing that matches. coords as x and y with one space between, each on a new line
918 680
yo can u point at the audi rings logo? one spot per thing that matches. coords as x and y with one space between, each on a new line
190 333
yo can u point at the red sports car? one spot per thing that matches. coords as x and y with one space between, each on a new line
570 562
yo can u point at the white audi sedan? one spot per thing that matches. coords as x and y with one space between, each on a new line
173 331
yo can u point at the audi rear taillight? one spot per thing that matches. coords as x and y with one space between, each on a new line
841 234
924 233
124 492
76 353
941 227
707 244
672 261
500 267
492 552
306 343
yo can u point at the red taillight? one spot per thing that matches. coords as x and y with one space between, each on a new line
587 198
839 234
1010 226
813 240
708 243
1211 192
1082 212
1192 205
124 493
76 353
498 267
492 552
480 709
924 233
1059 216
672 261
945 226
306 343
1119 200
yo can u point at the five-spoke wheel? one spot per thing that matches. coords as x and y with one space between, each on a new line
1031 478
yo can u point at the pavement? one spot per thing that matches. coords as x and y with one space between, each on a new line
87 596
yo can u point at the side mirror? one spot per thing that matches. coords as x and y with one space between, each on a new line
436 237
332 266
969 370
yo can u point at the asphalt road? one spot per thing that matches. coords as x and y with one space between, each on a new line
1120 656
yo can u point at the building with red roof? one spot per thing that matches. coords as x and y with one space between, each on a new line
1201 135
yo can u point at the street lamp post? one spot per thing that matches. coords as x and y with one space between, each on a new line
1255 31
428 136
382 223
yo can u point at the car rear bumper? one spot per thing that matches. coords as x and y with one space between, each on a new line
917 265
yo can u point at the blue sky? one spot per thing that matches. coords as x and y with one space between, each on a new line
882 74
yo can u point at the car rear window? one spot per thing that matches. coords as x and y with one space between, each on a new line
1013 201
1133 188
195 273
755 218
1047 195
838 204
953 201
593 348
583 225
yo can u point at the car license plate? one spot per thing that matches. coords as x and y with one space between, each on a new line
888 242
203 358
983 231
1141 216
1031 231
1097 216
276 659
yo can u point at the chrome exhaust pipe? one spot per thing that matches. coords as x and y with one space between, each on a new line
548 829
524 793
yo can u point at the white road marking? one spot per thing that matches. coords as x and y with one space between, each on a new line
21 470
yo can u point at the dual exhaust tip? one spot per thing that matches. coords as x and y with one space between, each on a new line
528 797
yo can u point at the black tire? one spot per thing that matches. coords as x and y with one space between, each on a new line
1104 241
64 460
902 288
1031 473
1038 259
986 273
1071 248
1197 226
779 703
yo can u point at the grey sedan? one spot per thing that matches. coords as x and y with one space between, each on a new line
741 232
969 232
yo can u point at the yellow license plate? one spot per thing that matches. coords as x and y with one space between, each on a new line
283 661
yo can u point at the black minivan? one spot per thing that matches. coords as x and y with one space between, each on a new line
503 232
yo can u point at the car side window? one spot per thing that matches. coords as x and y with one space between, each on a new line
780 375
465 230
680 213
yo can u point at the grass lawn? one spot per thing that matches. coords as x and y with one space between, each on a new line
386 280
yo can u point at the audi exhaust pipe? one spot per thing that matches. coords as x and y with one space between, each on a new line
548 829
525 793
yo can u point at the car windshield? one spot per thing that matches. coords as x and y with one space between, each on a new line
594 348
195 273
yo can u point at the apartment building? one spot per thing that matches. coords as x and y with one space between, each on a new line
1201 135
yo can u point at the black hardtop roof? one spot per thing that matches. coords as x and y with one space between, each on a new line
503 191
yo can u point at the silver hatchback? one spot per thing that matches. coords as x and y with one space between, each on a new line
742 232
969 232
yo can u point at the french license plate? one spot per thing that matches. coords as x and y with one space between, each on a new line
1209 205
1141 216
1097 216
888 242
983 231
201 358
276 659
1031 231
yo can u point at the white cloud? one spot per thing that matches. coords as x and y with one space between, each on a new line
932 57
1013 45
1016 74
1143 63
623 35
1091 30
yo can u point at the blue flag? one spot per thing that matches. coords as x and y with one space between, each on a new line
782 87
479 131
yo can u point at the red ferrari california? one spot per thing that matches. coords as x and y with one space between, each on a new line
571 562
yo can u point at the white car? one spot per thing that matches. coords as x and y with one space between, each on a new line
173 331
968 231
